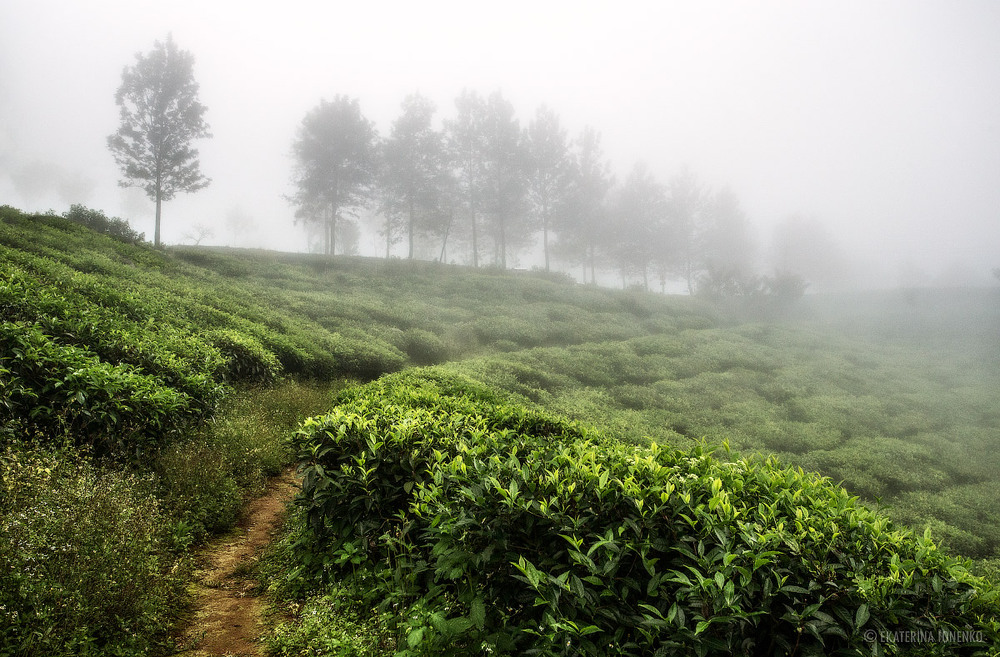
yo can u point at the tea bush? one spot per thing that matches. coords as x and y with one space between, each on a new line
58 390
497 527
886 420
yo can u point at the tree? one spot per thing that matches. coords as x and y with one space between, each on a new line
160 116
687 201
804 247
504 163
549 170
413 158
334 165
582 223
638 216
726 243
466 145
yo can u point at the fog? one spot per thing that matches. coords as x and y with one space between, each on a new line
878 121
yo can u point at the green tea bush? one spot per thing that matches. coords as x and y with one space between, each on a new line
97 221
56 390
517 531
245 358
425 348
86 566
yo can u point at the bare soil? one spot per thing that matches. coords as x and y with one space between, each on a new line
227 615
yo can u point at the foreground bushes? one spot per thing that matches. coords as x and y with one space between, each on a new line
500 528
87 565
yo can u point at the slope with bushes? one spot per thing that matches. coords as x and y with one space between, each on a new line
480 525
154 388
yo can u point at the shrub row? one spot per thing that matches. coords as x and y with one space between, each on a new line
520 532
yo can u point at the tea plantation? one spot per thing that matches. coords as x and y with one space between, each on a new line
493 463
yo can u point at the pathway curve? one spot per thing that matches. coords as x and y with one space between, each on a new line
227 615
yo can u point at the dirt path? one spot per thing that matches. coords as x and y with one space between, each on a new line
227 618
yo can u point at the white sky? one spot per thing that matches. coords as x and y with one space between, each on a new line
879 118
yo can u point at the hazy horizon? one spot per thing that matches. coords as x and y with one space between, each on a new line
880 121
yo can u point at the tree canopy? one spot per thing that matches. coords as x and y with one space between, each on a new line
334 165
160 117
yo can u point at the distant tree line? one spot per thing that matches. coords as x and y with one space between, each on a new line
483 189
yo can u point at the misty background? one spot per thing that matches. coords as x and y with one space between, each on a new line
878 122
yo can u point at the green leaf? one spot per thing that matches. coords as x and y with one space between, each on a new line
861 616
414 638
477 613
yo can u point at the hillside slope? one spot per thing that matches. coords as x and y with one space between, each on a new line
133 355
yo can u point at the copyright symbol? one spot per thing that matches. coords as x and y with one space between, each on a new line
870 635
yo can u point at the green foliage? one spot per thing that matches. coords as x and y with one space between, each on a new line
97 221
502 528
56 390
86 566
889 421
245 358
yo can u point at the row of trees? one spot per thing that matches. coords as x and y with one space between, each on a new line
480 186
488 189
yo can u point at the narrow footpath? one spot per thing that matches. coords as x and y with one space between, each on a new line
227 617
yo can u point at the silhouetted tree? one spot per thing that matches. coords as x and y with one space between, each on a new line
685 208
504 175
804 247
413 158
726 243
334 165
638 212
160 116
549 169
582 224
466 145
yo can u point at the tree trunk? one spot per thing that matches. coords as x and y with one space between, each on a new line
333 233
503 244
545 242
156 231
388 235
475 238
410 256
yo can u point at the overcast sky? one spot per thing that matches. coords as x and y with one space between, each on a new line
879 119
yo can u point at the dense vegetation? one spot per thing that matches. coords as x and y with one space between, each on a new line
483 526
145 393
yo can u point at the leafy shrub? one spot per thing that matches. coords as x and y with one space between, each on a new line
425 348
244 356
60 390
85 566
96 220
521 531
198 488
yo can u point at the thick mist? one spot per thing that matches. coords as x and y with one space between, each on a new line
867 134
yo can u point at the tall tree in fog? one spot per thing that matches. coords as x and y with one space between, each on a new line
504 166
549 170
160 116
582 224
466 145
687 201
727 246
335 165
638 217
413 158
